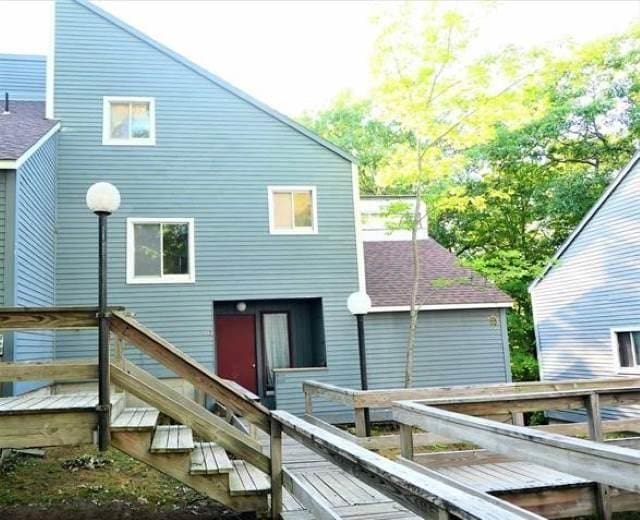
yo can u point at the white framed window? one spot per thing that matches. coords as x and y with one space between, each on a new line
626 346
293 210
128 121
160 250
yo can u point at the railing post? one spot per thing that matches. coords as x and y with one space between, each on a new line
406 441
594 420
308 402
276 469
361 422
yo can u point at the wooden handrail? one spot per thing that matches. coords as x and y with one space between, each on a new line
72 370
383 398
612 465
49 318
153 391
421 494
161 350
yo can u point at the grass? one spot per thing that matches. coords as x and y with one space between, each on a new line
83 478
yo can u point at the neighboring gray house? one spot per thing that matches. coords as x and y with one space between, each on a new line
238 236
586 303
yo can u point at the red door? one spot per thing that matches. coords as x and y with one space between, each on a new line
236 349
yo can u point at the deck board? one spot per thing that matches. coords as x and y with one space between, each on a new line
33 404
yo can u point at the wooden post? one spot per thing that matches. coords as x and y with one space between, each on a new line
276 469
308 403
594 420
517 418
406 441
361 422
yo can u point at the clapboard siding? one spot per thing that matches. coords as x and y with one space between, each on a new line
23 76
35 250
593 287
452 347
215 156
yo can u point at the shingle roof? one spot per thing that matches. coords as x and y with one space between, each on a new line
389 275
22 127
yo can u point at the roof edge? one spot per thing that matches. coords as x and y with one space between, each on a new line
622 174
443 307
217 80
14 164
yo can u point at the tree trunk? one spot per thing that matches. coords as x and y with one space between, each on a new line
413 308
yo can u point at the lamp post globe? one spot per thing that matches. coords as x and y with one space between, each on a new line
103 197
359 303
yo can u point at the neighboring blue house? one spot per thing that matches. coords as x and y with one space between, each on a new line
238 236
586 304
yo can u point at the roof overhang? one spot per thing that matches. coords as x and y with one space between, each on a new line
444 307
14 164
587 218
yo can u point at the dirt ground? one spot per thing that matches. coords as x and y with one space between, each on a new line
83 484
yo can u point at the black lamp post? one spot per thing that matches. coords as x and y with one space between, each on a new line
359 304
103 199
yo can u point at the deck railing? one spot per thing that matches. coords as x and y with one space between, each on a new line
423 493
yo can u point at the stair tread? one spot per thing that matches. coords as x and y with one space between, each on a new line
245 479
208 458
174 438
136 419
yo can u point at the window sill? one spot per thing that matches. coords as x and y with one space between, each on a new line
629 371
293 232
146 142
142 281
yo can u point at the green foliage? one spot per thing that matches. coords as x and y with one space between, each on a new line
508 151
350 124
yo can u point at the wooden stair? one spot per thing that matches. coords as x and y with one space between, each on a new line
201 465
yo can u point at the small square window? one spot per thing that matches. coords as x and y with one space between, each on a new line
292 210
160 251
628 349
128 121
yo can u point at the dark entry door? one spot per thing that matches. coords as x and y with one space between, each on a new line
236 349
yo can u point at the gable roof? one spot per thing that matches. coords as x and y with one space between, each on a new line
217 80
622 174
443 283
21 130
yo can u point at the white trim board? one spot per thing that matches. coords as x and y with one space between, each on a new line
443 307
355 180
587 218
16 163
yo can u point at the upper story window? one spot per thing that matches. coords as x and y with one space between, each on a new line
128 121
160 250
628 347
293 210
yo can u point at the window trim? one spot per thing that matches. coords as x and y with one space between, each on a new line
616 349
106 121
171 278
313 230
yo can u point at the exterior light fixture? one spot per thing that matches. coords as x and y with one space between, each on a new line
103 199
241 306
359 304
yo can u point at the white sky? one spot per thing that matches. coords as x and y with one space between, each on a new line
297 56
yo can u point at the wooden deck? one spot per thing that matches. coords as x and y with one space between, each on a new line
348 497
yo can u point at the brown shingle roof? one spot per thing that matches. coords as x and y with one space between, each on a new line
389 274
22 127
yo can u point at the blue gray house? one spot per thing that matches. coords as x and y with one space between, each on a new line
586 302
238 238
